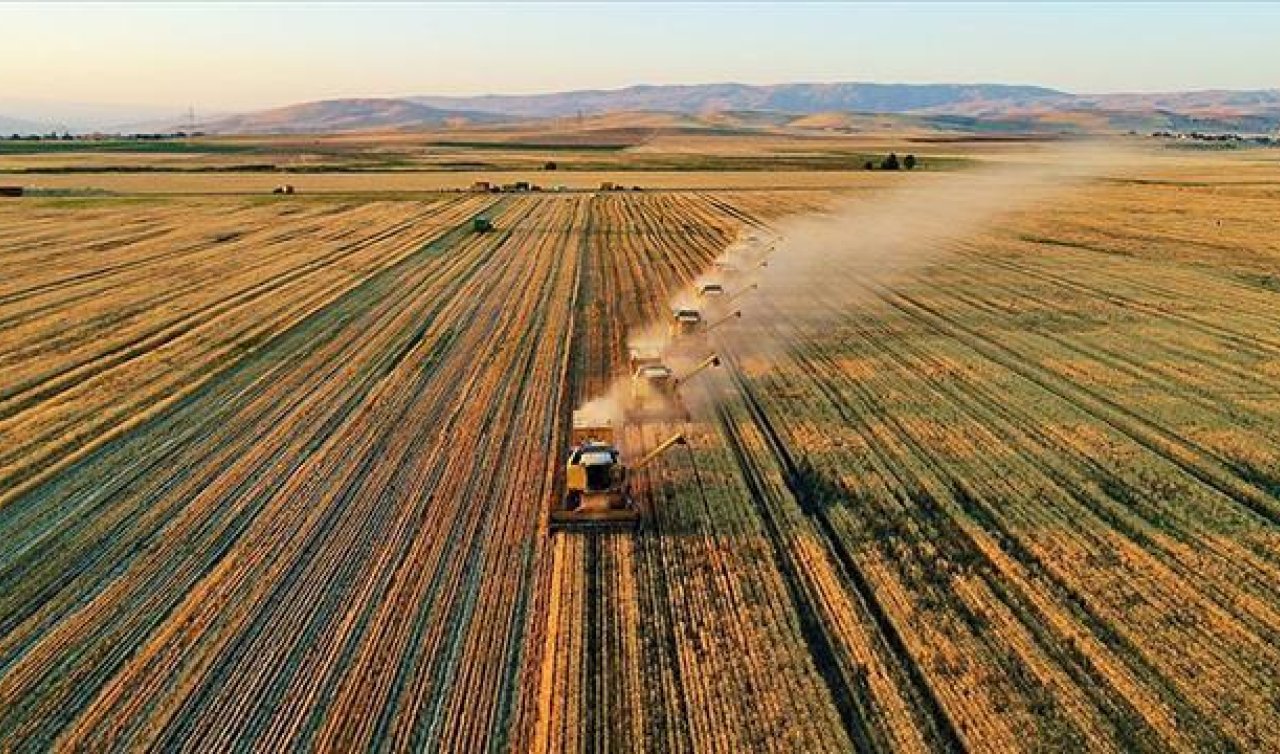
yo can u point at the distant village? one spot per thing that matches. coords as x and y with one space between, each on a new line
67 136
1223 138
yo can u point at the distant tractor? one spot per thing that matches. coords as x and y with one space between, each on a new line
481 224
711 290
284 188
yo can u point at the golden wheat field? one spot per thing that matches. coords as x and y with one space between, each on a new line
275 472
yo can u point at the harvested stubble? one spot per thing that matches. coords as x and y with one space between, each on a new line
276 475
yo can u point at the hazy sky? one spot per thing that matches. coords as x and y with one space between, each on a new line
224 56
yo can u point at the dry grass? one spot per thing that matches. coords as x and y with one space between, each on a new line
275 473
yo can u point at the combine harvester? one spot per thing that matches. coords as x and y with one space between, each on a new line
654 386
687 323
597 490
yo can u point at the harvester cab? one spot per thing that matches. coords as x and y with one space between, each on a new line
652 385
597 493
686 321
652 381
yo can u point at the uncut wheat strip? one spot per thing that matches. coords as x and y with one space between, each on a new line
699 698
782 678
757 443
858 635
978 537
1236 567
1198 305
664 696
821 584
117 341
526 496
1019 494
926 647
520 494
1186 454
981 719
1120 678
333 292
78 293
709 628
24 526
1214 407
809 588
180 254
696 701
1227 327
1231 709
1180 513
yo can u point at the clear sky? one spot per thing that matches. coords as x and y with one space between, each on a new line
235 56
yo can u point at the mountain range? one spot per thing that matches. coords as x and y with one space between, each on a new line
948 107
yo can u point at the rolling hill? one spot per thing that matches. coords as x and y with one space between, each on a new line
347 115
789 98
969 108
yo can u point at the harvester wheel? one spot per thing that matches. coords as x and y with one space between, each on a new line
572 500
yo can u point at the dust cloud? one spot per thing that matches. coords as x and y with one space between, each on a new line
808 270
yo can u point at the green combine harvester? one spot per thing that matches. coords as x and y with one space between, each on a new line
481 224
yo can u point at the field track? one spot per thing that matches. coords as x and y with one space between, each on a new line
275 473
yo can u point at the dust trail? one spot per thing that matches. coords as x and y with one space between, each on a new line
811 269
825 263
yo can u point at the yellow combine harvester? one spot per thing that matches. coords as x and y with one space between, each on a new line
688 323
597 492
654 386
